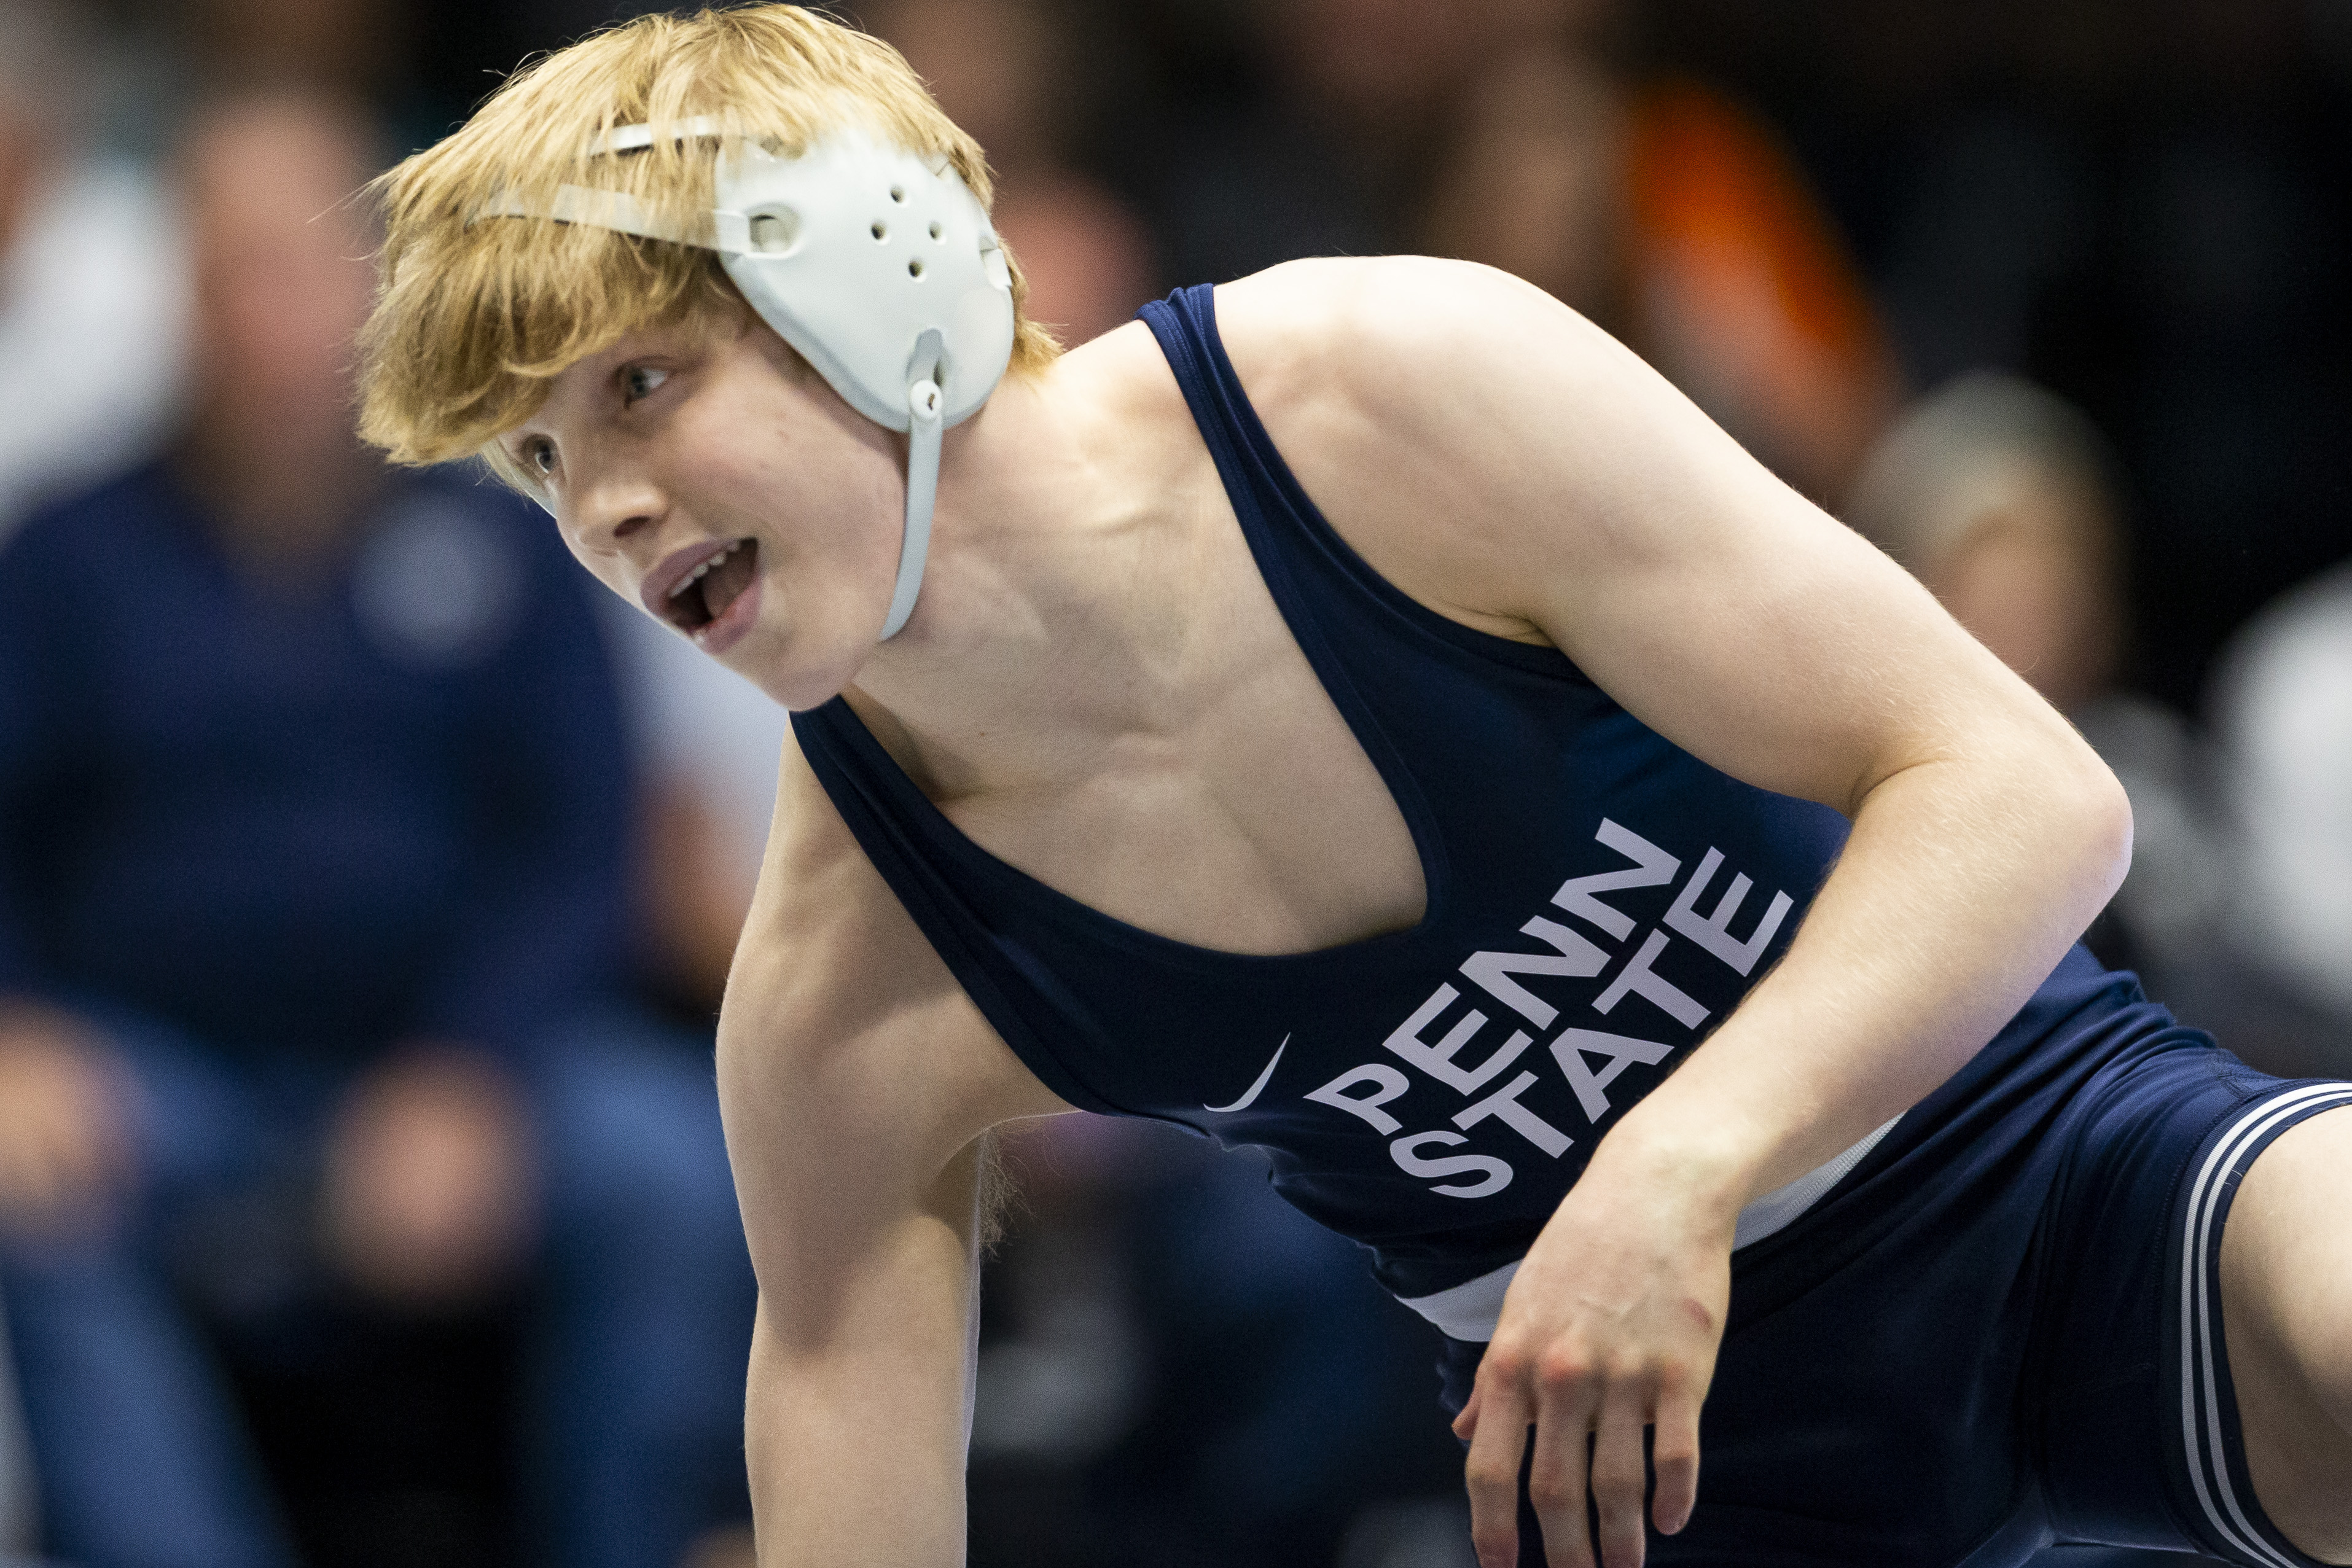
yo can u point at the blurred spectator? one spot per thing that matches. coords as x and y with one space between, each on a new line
2283 706
90 321
313 823
708 744
91 297
1010 72
1534 181
1329 155
1995 495
2143 205
1747 298
1666 213
1998 497
345 47
1508 131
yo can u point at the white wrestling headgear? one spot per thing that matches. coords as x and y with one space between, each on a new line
879 267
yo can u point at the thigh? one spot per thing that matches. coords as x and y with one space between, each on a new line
2141 1431
2286 1296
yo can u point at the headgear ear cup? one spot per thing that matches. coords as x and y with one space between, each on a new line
881 270
877 264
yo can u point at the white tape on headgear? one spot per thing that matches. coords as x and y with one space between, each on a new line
877 264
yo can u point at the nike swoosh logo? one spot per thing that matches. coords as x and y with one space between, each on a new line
1246 1101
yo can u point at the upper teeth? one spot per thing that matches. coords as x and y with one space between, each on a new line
691 577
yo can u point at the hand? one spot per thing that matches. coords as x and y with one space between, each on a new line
1610 1325
65 1146
429 1188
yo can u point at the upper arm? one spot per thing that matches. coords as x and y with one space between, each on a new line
855 1079
855 1074
1511 465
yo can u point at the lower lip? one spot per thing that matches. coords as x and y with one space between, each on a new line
727 631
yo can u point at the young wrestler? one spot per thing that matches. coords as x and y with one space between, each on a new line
1363 711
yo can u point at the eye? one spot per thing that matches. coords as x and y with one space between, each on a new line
640 381
538 456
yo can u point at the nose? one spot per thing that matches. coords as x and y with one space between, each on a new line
609 512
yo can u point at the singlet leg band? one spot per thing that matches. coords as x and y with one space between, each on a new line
2220 1505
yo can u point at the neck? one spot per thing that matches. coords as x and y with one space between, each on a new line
1052 603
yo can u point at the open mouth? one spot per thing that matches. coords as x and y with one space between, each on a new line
703 595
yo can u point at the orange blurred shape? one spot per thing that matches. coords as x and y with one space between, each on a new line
1746 290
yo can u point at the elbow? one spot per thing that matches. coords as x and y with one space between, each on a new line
2100 821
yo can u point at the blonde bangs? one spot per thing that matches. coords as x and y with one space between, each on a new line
476 312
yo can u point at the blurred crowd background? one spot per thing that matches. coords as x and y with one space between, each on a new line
367 885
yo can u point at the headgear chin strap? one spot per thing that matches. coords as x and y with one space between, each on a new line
877 264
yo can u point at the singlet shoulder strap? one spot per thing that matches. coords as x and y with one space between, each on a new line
1287 532
959 895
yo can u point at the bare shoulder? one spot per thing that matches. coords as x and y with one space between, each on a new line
1352 314
1513 467
1442 413
836 996
1401 340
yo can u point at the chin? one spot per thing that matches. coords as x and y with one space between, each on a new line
794 679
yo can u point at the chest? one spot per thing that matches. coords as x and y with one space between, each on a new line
1224 802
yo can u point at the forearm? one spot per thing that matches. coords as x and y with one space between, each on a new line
1965 880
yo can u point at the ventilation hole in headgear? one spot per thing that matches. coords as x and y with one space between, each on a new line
774 232
881 229
898 192
914 269
939 231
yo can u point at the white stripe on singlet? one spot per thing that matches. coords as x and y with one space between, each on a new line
2209 1468
1469 1310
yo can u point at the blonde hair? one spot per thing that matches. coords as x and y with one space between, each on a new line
475 315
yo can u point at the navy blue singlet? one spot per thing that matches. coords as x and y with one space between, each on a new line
1999 1309
1597 901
